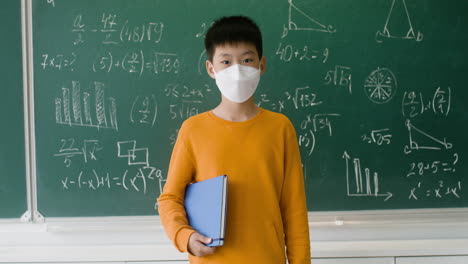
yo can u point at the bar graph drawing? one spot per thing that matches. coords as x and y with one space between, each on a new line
357 186
76 108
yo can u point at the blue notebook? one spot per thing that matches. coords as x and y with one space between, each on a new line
205 204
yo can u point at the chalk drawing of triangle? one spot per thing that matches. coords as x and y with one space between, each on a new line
421 140
299 20
398 22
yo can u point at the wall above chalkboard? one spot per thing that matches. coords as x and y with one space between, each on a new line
374 89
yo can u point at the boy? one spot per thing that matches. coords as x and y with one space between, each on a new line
256 148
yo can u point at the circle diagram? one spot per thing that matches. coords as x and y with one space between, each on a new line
381 86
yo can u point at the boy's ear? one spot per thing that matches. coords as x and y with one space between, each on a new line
262 65
210 69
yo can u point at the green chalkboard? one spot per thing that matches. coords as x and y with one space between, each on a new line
13 198
375 90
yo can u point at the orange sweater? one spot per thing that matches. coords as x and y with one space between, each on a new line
267 210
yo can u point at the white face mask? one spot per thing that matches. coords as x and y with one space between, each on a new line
238 82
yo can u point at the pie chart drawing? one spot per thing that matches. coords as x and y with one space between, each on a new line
381 86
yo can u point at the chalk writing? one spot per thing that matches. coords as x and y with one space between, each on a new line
51 2
288 53
137 177
433 168
115 31
69 149
185 109
302 98
270 103
173 136
340 77
144 110
129 180
311 125
137 63
379 137
439 190
413 104
204 28
184 91
59 62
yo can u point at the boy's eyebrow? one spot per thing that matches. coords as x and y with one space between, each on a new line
248 52
224 55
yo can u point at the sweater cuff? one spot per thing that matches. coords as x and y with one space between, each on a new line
182 239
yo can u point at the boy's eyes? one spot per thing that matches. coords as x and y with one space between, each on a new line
226 62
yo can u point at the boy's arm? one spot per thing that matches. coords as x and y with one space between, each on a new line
171 201
293 203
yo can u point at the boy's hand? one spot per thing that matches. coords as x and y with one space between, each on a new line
196 245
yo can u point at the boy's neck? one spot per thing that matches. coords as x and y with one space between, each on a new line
235 112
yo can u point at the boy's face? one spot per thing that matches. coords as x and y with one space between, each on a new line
231 54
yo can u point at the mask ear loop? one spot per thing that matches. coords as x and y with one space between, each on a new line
215 73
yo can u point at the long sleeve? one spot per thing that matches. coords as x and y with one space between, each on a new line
293 203
171 201
266 205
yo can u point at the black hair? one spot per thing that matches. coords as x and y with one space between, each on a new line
232 30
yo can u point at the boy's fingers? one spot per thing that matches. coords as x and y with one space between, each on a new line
206 240
199 247
203 239
205 251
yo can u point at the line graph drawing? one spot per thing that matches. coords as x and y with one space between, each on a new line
371 190
398 24
419 139
299 20
381 86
